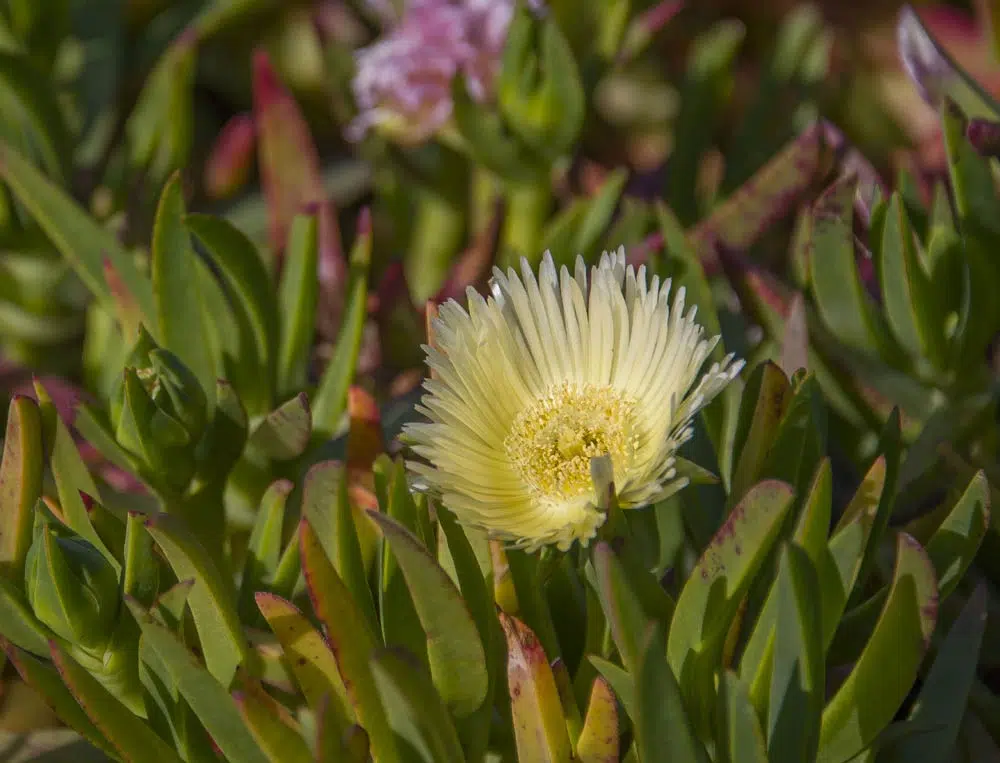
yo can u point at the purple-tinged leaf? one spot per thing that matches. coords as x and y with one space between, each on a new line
766 198
231 157
291 177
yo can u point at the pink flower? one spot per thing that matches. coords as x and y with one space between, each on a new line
403 80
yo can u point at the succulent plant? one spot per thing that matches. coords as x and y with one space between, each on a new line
223 549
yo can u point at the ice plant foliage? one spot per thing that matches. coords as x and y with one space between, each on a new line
546 375
403 80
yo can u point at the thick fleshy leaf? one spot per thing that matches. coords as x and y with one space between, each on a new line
664 728
797 676
208 698
539 87
415 709
944 694
868 700
631 599
70 473
284 433
474 729
78 237
599 739
180 321
620 680
957 540
18 623
400 623
242 269
712 594
141 577
264 547
212 599
811 534
277 734
766 198
20 484
309 658
43 677
840 296
134 740
330 400
911 301
742 738
454 648
839 571
326 504
539 721
352 640
762 406
298 295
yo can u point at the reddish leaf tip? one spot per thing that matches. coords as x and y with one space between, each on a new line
365 221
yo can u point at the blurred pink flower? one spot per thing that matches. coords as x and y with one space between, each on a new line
403 80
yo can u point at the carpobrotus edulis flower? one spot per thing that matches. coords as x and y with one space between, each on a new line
549 373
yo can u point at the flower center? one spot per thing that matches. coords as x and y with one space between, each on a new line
552 442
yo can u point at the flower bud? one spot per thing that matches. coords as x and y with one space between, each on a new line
72 588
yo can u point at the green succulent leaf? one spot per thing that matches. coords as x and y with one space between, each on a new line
620 680
208 698
20 484
70 473
352 640
18 623
310 659
77 236
130 735
867 701
631 599
298 297
710 598
539 88
275 731
957 539
42 676
765 399
180 319
944 695
212 599
839 572
664 728
454 648
911 301
264 547
141 576
326 504
243 271
330 400
284 433
797 676
415 709
840 295
741 737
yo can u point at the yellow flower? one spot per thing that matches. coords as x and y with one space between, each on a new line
548 374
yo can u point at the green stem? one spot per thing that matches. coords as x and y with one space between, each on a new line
528 208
